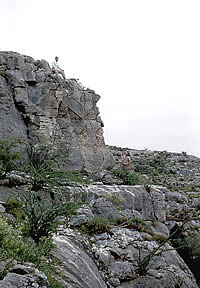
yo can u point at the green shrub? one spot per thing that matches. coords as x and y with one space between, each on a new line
41 162
8 156
97 224
134 178
42 215
12 245
14 207
130 178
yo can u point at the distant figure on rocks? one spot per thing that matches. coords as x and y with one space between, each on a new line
126 162
56 68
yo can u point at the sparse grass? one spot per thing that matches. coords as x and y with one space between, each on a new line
158 238
69 177
96 224
114 198
130 178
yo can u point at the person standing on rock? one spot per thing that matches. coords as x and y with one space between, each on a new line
56 68
126 162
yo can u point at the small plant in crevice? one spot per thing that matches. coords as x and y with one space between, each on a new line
8 156
96 224
2 94
114 198
154 222
138 224
157 237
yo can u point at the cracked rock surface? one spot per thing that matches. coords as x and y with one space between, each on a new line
39 107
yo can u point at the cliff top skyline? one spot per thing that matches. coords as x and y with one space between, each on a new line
141 57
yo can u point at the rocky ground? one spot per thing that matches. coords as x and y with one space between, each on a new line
123 236
141 235
177 171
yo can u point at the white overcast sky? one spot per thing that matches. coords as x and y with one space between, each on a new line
141 56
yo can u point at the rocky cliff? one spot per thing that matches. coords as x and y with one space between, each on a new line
124 236
39 107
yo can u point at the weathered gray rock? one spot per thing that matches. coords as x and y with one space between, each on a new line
119 251
149 205
25 275
108 178
120 257
177 204
78 268
111 259
39 107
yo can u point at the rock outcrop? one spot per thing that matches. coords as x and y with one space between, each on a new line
39 107
25 275
120 251
78 265
121 236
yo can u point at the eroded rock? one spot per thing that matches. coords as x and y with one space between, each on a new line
39 107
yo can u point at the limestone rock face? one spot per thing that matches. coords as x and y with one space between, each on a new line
39 107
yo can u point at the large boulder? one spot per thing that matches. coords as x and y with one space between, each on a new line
78 267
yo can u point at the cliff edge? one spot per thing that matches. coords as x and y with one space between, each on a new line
39 107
